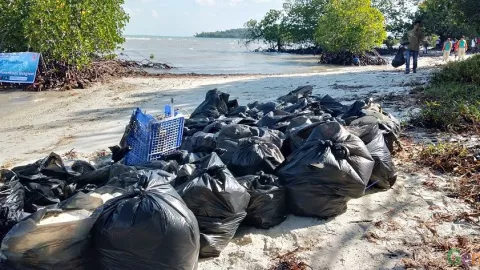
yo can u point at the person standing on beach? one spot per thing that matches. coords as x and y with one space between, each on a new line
447 48
415 39
455 48
462 48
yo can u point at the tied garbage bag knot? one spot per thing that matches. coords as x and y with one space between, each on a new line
339 150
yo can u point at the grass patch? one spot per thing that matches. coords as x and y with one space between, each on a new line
448 158
464 72
452 101
456 159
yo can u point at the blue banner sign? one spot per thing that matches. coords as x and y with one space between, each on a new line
18 67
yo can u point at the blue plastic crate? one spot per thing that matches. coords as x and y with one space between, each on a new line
150 139
166 137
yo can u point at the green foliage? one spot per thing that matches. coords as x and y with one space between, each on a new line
350 25
296 24
239 33
390 42
398 14
448 18
271 30
12 17
471 11
453 99
302 19
467 71
63 30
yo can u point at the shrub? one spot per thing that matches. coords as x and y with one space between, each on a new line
351 25
467 71
452 101
450 107
68 31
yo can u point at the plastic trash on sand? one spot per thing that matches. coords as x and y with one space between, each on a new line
330 165
268 205
229 138
148 227
254 155
218 201
384 174
54 238
12 195
214 105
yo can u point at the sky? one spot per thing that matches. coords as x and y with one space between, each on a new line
187 17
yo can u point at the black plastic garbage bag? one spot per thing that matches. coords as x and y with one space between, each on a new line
240 110
399 59
170 166
384 175
200 142
101 176
295 135
297 94
300 106
272 136
278 120
218 201
198 124
263 108
229 137
134 177
332 106
182 157
185 173
97 178
55 245
254 155
232 105
332 163
45 180
12 195
268 205
386 122
299 135
355 110
149 227
214 127
214 105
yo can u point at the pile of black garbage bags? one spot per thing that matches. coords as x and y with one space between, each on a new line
238 165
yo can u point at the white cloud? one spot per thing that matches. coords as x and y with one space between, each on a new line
155 13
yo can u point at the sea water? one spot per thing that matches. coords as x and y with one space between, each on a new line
217 56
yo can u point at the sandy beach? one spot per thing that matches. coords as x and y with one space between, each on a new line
86 120
376 232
